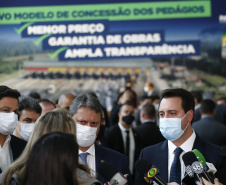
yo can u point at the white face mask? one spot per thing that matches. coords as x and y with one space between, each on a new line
85 135
26 130
146 89
8 122
171 128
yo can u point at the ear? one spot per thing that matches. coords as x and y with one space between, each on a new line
190 115
97 131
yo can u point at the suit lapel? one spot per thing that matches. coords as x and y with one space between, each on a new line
120 140
163 161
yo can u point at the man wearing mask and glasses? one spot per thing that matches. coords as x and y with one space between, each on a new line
10 146
86 110
176 111
122 137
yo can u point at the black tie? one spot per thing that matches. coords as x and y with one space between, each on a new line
127 143
175 172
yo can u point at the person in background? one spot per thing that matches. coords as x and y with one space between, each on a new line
29 111
142 100
65 100
126 96
122 137
221 101
148 130
35 95
10 146
86 110
129 86
46 105
56 120
198 98
149 89
208 128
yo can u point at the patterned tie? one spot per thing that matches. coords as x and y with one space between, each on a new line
83 156
175 172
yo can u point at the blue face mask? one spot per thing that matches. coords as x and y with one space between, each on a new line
171 128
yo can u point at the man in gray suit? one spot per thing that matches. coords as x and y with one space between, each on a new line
208 128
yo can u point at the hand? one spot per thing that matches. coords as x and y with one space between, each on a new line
126 176
216 181
172 183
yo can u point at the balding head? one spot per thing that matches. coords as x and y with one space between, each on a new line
65 100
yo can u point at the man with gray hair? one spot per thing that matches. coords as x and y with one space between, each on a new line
86 110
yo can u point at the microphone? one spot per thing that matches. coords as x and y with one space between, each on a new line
149 172
187 180
195 168
209 167
111 174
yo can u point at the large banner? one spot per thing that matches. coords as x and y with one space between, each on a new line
93 30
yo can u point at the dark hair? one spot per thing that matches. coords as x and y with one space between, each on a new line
28 103
85 101
149 109
129 103
222 98
53 160
7 92
46 101
207 106
142 98
34 95
154 97
197 95
188 102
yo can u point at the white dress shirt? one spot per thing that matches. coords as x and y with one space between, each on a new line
132 144
186 147
90 159
6 156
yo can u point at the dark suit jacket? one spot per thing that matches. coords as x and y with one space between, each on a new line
220 114
113 139
17 146
118 160
137 117
158 155
149 134
211 130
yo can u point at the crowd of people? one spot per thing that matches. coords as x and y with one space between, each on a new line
65 142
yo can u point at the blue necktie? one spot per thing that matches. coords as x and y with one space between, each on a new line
83 156
175 171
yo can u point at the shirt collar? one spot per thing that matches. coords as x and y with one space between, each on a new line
148 121
8 138
122 128
186 146
91 150
197 106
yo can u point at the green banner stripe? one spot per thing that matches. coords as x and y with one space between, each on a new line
111 12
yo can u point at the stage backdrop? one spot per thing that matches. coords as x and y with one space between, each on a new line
96 30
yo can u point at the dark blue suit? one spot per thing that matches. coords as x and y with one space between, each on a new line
158 155
118 160
211 130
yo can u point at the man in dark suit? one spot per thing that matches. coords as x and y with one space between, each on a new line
86 110
208 128
148 130
11 146
122 137
176 112
198 98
